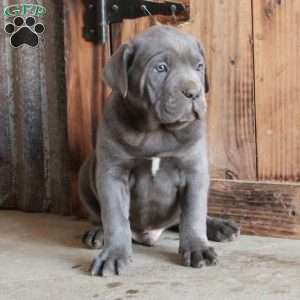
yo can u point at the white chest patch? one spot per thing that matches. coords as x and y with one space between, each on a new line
155 165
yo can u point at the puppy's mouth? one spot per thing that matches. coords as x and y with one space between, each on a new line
176 126
183 122
194 115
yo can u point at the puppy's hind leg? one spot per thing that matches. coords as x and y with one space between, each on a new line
221 230
93 238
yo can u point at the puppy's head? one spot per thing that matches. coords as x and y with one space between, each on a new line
163 71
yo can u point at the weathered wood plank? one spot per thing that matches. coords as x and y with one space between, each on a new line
7 198
261 208
86 92
277 76
23 98
226 30
54 112
225 27
28 128
34 104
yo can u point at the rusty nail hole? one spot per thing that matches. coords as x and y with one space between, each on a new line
293 213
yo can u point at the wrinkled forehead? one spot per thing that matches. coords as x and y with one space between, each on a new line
161 39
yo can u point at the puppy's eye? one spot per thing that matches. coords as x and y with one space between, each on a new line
199 66
161 68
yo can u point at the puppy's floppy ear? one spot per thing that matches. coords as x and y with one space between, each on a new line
116 71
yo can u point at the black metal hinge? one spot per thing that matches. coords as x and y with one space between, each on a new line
99 14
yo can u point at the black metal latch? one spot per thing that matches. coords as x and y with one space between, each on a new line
99 14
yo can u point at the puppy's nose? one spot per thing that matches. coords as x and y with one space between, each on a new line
192 93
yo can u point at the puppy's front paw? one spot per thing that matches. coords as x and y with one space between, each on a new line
198 256
110 261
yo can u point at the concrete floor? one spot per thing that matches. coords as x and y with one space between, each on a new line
41 257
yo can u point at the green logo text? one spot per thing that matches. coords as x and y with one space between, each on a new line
24 9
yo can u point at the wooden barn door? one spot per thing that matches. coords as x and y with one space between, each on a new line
34 158
252 49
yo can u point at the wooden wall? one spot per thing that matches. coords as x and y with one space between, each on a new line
34 161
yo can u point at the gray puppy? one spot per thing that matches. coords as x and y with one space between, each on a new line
150 168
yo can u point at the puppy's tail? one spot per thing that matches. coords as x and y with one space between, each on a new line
87 192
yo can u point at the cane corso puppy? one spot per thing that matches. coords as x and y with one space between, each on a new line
150 168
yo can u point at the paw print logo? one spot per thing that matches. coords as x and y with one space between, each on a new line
24 31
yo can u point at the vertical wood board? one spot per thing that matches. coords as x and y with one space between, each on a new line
277 80
86 92
33 115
